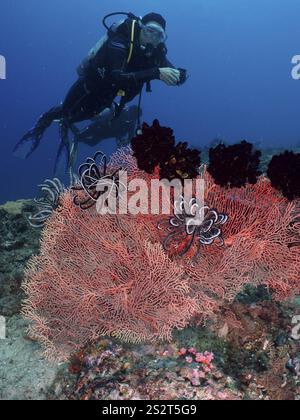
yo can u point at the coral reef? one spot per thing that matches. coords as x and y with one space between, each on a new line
109 274
266 366
18 242
109 371
256 355
254 358
24 374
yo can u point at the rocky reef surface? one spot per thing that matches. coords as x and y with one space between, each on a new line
250 352
24 374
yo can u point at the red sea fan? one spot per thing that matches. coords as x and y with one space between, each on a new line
109 275
102 275
262 246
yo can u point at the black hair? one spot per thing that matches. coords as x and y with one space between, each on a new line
155 17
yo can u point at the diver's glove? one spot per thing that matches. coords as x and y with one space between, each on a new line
169 76
183 77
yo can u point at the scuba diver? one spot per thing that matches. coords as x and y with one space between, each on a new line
131 54
105 126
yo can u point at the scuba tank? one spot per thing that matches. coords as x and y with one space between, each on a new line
84 65
111 30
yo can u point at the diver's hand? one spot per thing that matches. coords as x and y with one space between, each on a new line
169 76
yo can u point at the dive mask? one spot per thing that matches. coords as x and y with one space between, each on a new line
153 34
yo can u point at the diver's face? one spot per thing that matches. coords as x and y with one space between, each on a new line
152 33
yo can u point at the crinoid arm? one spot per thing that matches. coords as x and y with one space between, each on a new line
96 180
51 191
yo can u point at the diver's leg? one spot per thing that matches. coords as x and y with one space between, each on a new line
78 104
31 140
47 119
73 153
63 153
73 110
72 161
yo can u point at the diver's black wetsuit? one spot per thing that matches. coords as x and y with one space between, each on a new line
104 76
109 72
104 127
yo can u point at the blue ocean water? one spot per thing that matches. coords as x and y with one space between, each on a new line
238 54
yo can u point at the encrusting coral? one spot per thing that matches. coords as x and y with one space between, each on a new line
110 275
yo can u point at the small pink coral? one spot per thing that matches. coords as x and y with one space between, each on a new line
182 351
195 382
205 358
200 358
189 359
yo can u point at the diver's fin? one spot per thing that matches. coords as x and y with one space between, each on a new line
29 143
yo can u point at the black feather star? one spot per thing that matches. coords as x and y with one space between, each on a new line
192 224
153 146
184 163
235 165
95 181
284 174
156 147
